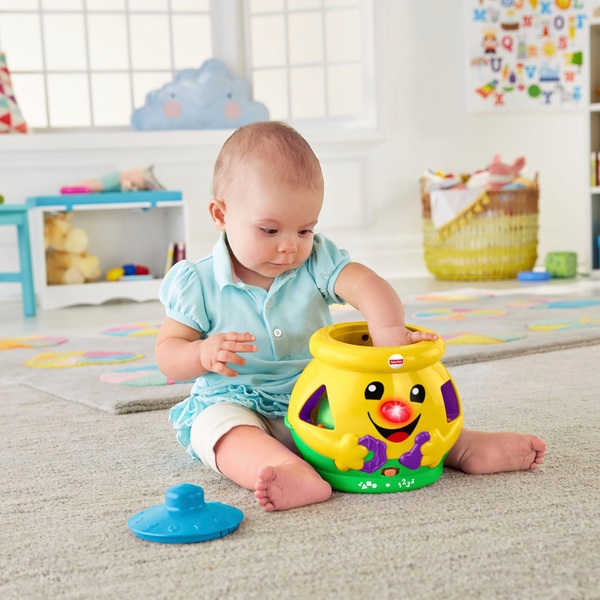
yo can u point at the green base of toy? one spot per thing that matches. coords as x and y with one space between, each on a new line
402 479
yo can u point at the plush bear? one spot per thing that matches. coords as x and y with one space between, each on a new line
67 260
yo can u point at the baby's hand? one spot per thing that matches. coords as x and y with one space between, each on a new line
222 348
401 336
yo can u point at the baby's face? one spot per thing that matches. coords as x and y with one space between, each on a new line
270 225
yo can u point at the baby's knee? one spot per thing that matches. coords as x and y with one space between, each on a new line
213 423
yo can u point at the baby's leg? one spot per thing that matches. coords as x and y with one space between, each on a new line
482 452
281 479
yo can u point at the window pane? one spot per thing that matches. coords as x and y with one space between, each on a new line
192 42
148 5
270 88
190 5
268 41
147 82
64 41
105 5
262 6
345 91
62 4
343 35
21 41
111 99
307 93
303 4
150 46
18 4
337 3
105 56
306 38
31 97
69 101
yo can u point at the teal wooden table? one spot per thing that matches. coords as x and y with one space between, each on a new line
18 214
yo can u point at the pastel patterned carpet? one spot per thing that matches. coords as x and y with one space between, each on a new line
134 330
458 314
31 342
138 376
63 360
583 322
454 296
472 338
540 303
477 326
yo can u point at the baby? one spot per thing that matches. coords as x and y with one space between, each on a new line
238 322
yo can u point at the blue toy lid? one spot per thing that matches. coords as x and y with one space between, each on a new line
533 276
185 518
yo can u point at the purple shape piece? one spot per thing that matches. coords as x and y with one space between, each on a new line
310 404
379 453
412 458
450 400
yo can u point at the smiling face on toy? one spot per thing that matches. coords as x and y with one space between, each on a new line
382 411
393 408
394 412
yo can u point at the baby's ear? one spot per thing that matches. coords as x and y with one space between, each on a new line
217 212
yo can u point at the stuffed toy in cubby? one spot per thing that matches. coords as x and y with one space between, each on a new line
67 259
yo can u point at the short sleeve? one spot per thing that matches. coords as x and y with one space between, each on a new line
324 265
181 294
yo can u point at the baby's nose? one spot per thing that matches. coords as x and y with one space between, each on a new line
287 245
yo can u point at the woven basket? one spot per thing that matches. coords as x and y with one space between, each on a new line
495 238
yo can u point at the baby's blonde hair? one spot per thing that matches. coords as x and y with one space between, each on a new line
271 143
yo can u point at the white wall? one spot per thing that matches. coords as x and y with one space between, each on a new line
372 195
431 128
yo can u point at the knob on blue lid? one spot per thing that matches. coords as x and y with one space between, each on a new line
185 518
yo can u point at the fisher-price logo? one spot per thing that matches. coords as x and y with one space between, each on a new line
396 361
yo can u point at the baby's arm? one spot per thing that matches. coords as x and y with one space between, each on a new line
379 303
181 354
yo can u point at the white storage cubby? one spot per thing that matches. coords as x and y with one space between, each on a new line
123 228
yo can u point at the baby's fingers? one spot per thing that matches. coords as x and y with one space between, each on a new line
223 369
238 342
420 336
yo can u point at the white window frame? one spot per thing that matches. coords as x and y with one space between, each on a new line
231 43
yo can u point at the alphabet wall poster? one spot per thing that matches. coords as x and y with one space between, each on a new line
526 54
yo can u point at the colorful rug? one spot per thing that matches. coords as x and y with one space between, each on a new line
87 370
477 325
31 341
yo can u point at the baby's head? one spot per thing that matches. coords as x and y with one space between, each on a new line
270 149
268 193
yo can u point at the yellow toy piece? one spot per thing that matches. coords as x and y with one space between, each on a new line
374 419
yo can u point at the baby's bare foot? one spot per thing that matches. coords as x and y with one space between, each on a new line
479 452
290 485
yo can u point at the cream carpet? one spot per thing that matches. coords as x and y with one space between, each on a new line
72 476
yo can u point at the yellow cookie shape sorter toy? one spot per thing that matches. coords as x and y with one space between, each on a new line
374 419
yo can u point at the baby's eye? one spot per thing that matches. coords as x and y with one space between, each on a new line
268 230
305 232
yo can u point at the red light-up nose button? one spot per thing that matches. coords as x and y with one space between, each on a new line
395 411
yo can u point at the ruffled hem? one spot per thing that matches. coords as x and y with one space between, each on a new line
182 415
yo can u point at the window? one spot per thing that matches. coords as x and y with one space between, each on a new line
311 59
89 63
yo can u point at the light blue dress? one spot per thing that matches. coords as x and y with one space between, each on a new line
208 298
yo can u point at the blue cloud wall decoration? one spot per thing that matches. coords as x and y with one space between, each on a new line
204 98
